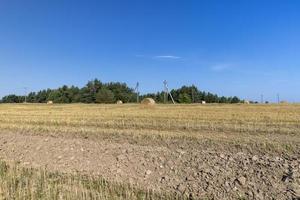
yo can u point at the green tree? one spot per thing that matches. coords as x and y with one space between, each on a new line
184 98
13 99
235 100
223 100
121 91
31 98
54 96
96 92
74 93
105 95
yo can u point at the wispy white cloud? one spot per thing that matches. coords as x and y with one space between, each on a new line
159 57
221 67
167 57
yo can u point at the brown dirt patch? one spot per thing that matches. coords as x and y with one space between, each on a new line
184 167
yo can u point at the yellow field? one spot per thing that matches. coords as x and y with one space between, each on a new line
156 152
264 124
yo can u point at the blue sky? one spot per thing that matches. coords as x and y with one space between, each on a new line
233 47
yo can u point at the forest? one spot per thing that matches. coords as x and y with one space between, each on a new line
96 91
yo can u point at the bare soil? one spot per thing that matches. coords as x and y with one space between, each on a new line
199 170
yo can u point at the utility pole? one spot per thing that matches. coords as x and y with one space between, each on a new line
25 89
167 92
137 92
278 99
262 99
193 97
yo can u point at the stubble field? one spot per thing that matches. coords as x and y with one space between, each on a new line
213 151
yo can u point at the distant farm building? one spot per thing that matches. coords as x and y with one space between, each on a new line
148 101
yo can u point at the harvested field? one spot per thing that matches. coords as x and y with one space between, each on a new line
168 151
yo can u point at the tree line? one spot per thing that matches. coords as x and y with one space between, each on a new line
97 92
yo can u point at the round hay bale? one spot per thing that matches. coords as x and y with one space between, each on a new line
148 101
119 102
246 102
203 102
284 102
50 102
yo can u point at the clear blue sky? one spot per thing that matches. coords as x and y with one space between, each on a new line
232 47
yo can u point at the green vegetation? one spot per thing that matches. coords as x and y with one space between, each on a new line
97 92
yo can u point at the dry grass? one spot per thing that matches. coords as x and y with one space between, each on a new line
276 124
273 127
18 183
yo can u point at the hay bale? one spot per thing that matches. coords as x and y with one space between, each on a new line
284 102
119 102
246 102
203 102
148 101
50 102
